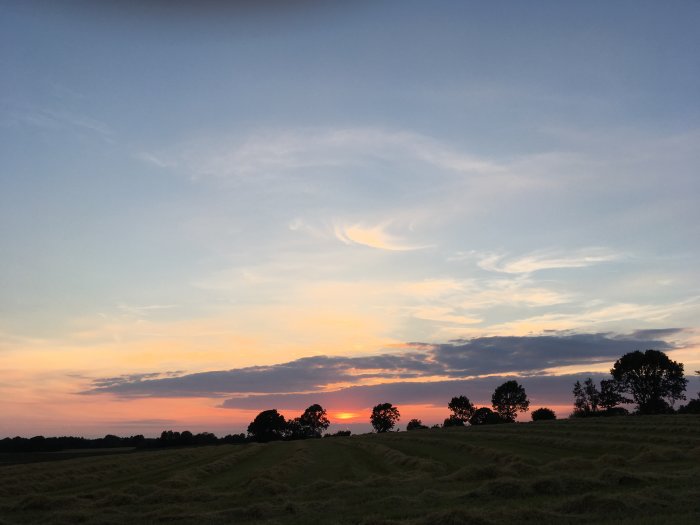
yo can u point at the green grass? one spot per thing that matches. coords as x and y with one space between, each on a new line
640 470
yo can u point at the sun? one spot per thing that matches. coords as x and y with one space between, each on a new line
345 415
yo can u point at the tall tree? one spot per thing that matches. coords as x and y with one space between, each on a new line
653 380
509 399
462 409
314 421
268 425
384 417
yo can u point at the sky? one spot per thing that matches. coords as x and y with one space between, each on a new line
209 209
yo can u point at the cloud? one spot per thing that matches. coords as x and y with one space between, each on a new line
62 120
372 236
420 362
273 153
547 260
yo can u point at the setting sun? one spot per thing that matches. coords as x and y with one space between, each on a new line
345 415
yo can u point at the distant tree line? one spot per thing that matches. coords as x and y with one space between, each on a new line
649 379
168 438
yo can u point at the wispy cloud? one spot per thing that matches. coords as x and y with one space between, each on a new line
144 310
547 260
51 119
376 236
274 152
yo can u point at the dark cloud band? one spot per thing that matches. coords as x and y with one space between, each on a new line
458 359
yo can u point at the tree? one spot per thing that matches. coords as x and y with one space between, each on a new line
654 381
415 424
509 399
610 396
485 416
314 421
268 425
462 409
384 417
453 421
586 398
543 414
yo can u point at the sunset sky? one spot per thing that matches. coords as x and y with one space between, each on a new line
208 209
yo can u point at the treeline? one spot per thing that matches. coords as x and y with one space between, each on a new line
168 438
650 380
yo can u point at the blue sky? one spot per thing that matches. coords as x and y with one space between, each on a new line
193 188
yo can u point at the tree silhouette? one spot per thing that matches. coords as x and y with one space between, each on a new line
543 414
509 399
462 410
313 421
610 396
586 397
415 424
654 381
384 417
268 425
485 416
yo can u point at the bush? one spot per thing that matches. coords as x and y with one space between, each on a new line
415 424
543 414
693 407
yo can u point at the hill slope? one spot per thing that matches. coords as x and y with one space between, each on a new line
617 470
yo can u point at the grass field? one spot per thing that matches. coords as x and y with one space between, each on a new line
638 470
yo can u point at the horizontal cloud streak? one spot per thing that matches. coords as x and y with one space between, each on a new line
547 260
428 362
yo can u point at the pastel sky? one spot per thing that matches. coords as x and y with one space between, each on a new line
208 209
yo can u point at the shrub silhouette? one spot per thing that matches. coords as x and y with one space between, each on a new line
543 414
509 399
693 407
415 424
653 380
384 417
454 421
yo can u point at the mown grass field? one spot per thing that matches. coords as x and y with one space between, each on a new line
638 470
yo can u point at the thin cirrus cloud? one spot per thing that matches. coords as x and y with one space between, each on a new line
273 152
458 359
547 260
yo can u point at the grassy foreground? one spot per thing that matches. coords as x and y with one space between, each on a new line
638 470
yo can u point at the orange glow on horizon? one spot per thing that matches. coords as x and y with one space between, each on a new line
345 415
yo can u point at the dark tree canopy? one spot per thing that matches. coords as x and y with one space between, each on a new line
454 421
462 409
268 425
509 399
314 421
543 414
415 424
485 416
384 417
610 396
654 381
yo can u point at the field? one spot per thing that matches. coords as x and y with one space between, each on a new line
638 470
